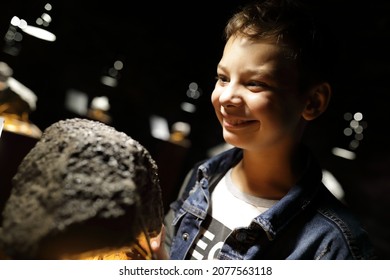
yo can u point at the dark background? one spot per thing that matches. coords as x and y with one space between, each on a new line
166 45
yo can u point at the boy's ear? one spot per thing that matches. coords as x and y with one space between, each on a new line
317 101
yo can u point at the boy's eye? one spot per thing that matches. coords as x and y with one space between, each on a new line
221 78
255 84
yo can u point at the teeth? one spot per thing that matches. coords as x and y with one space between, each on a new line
235 122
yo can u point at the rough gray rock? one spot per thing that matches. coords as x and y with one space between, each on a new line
81 170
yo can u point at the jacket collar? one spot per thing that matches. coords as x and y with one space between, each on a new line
299 197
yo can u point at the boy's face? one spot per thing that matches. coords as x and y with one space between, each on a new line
256 97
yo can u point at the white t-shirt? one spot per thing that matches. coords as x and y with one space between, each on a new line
229 209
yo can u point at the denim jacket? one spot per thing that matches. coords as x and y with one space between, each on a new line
307 223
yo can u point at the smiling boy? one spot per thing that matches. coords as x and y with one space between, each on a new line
264 198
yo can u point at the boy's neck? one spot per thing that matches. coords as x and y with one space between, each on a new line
268 177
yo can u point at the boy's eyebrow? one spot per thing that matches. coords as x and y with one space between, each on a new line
221 67
253 72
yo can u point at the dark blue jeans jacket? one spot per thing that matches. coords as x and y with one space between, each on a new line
307 223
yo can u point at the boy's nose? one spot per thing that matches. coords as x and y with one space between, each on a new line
230 96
